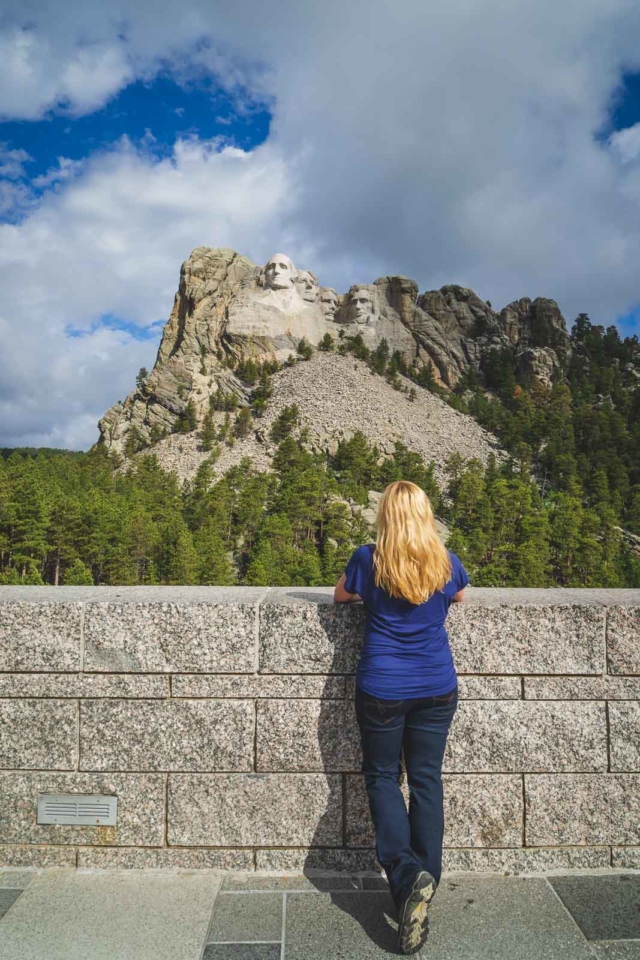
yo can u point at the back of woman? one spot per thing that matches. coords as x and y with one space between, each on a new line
406 693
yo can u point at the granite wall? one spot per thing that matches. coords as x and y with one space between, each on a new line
223 719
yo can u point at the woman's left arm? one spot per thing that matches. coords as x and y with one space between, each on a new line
340 595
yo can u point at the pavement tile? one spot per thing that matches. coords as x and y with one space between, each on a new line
344 925
15 878
7 899
112 915
242 951
290 883
605 908
481 917
616 949
250 916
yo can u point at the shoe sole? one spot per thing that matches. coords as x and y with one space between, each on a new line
413 927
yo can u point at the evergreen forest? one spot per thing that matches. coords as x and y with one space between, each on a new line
563 511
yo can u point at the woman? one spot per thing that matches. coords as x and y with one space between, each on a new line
406 693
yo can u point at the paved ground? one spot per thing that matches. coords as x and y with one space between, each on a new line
83 914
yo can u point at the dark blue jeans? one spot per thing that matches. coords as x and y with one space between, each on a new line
419 726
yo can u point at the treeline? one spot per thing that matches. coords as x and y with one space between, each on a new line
74 520
551 516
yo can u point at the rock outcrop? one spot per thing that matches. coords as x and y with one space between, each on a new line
336 397
228 309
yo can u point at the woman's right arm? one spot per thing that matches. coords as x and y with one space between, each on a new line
459 596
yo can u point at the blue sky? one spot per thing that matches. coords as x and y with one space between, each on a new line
163 107
450 142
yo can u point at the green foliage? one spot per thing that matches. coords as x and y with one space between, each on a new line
244 423
77 574
247 371
188 419
208 434
284 423
549 516
304 349
142 375
134 442
327 344
222 400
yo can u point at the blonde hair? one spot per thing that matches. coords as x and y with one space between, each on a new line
410 560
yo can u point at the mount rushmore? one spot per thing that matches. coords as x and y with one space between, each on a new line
228 309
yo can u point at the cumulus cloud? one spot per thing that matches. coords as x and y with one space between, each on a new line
111 244
627 143
453 141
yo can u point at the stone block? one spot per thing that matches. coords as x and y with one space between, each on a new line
472 688
166 636
245 809
257 685
624 735
480 810
36 855
523 860
303 631
307 735
37 635
164 858
604 687
166 735
527 638
39 733
625 858
519 735
317 859
489 688
582 808
623 639
83 685
140 819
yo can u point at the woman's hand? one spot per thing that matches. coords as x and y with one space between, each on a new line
340 595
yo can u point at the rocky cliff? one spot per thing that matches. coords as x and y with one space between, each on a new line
228 309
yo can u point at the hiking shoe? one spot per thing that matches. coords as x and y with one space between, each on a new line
413 922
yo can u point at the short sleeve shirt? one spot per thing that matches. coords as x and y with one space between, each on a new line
406 650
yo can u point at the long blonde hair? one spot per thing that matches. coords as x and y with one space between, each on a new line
410 559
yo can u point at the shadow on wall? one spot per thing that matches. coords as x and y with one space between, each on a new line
340 755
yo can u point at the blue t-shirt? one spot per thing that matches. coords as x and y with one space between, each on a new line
406 650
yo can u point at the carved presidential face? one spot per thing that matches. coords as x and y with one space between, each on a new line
329 302
279 272
307 284
361 306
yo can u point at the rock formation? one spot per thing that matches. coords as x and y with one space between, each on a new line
229 309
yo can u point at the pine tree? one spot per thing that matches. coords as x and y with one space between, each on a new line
244 423
214 565
30 518
77 574
305 350
181 560
327 344
284 423
208 435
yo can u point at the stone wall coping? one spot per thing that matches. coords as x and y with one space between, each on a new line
474 596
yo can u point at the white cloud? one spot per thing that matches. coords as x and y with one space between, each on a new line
627 143
12 162
111 243
452 141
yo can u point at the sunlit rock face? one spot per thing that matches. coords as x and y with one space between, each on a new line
271 316
229 309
